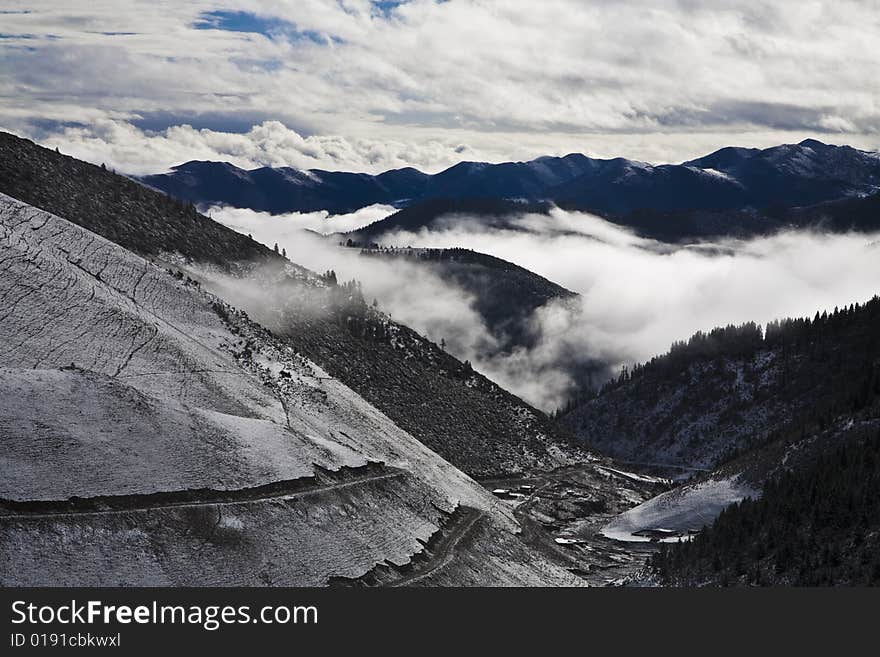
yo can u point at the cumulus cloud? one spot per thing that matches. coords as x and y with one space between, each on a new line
637 296
289 226
658 80
135 151
132 150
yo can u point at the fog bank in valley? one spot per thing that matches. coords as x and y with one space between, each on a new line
637 296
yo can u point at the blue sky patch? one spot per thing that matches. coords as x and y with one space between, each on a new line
385 7
243 21
239 21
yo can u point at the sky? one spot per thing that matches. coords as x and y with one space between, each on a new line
366 86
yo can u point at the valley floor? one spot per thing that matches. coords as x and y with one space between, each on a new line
562 513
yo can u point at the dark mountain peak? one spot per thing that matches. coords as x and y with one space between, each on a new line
571 158
723 157
326 172
207 165
814 143
732 156
464 169
403 171
783 151
627 164
491 211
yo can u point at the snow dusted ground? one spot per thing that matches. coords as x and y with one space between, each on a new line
151 403
690 422
117 378
634 476
689 507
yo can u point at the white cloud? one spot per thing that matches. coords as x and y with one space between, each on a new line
289 225
412 294
637 295
134 151
640 295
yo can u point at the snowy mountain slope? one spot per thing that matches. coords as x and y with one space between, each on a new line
453 409
468 420
152 434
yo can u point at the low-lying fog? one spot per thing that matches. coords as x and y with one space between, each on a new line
637 295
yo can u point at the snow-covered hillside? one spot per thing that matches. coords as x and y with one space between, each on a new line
679 511
151 434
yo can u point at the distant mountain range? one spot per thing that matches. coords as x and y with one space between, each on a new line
859 214
807 173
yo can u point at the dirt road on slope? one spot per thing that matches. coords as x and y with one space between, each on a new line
280 490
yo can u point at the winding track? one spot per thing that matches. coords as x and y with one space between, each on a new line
446 550
282 490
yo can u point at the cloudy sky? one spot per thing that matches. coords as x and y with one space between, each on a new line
366 85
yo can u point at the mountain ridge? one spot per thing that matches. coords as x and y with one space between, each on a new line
806 173
156 435
393 367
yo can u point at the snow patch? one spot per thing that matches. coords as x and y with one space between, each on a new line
682 510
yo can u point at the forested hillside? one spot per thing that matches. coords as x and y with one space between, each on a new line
733 389
817 525
123 211
505 294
